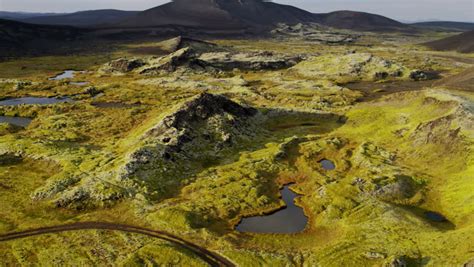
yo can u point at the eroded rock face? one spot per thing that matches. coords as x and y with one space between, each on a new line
445 130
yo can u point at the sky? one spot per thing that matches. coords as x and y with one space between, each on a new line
403 10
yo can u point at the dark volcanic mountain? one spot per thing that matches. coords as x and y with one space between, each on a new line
463 43
24 15
360 21
446 25
219 14
83 18
18 36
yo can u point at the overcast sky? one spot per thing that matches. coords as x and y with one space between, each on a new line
405 10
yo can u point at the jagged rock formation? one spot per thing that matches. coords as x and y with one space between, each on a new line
313 32
247 61
203 127
180 42
196 56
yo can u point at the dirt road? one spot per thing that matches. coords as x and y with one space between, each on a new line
211 258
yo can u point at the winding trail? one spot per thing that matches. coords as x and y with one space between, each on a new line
208 256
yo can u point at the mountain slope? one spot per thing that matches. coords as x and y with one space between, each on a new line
360 21
18 36
463 43
218 14
24 15
446 25
83 18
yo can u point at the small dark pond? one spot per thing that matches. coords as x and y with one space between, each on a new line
327 165
286 221
18 121
33 101
67 74
435 217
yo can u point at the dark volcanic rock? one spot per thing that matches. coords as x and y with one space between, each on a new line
201 108
125 65
402 188
420 75
201 128
247 61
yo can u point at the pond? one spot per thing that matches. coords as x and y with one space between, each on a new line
17 121
33 101
286 221
327 165
435 217
67 74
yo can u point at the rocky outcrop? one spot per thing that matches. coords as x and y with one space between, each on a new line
419 75
201 128
123 65
8 159
180 42
350 68
398 189
197 56
167 63
247 61
313 32
445 130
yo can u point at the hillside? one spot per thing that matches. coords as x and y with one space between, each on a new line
19 36
360 21
445 25
463 43
218 14
83 18
24 15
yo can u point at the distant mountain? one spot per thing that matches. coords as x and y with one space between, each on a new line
463 43
24 15
83 18
360 21
219 14
18 36
445 25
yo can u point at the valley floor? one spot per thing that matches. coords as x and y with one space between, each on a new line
187 138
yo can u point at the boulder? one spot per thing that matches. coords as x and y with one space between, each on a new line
419 75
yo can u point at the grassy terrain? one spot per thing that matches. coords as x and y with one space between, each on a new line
397 156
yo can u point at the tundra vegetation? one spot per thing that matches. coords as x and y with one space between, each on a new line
189 137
